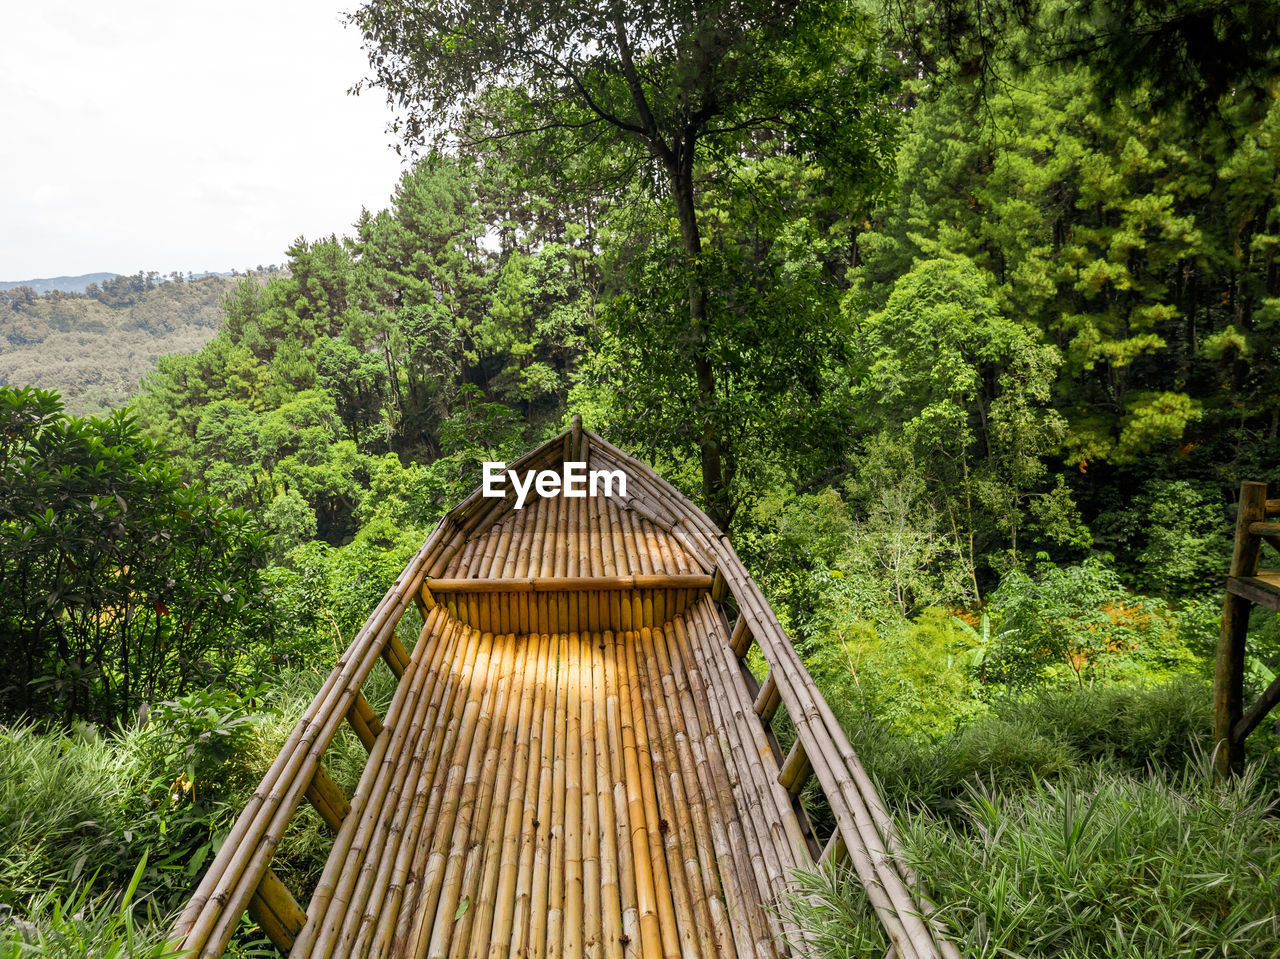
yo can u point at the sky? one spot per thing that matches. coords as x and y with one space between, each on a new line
140 135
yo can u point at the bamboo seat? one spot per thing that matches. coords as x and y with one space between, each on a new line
576 761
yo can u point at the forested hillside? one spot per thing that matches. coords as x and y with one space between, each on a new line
93 347
966 335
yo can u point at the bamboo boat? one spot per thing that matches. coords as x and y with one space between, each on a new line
576 761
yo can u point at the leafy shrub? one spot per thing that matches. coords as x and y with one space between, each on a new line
1078 624
123 585
1039 736
200 733
912 676
1167 725
1174 538
1011 752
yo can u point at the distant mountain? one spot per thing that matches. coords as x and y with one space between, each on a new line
67 284
94 347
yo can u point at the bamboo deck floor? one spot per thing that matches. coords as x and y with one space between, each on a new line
572 794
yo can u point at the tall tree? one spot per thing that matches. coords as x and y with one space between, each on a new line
670 91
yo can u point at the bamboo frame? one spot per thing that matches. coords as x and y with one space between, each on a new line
572 763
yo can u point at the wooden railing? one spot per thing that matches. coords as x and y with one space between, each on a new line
1246 586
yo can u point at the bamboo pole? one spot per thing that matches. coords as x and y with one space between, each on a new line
771 858
932 938
609 866
592 905
274 909
652 817
795 769
627 870
534 808
364 721
328 799
553 933
427 865
713 771
573 858
367 920
652 942
1228 680
715 861
347 907
492 925
691 897
884 887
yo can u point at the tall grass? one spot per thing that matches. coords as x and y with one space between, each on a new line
1098 865
79 811
1083 825
78 925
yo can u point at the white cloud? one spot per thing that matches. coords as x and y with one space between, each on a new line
163 136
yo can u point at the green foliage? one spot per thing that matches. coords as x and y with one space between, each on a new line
1099 864
203 729
834 916
327 593
82 814
1088 225
1040 736
692 97
1176 535
965 391
126 585
1118 866
1077 623
914 677
82 925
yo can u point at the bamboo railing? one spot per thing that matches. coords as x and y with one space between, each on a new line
575 760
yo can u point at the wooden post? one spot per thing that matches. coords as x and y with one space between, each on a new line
1228 681
396 656
328 798
768 699
364 721
719 586
795 769
741 639
274 909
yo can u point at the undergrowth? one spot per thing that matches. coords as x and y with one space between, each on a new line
1083 825
85 813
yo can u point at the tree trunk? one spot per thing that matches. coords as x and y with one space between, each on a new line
715 493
